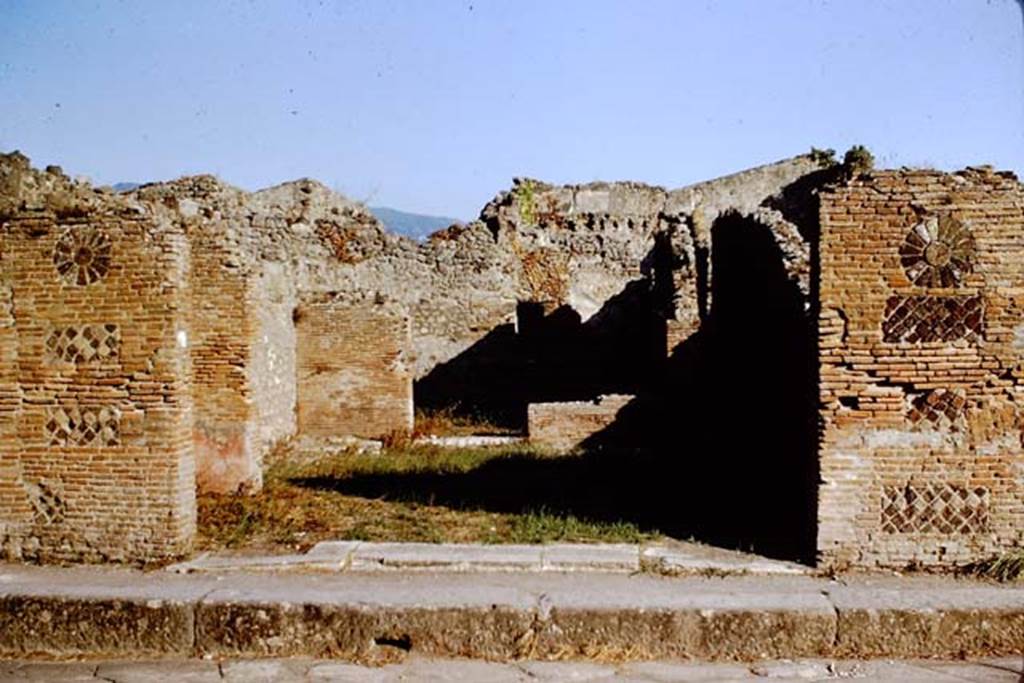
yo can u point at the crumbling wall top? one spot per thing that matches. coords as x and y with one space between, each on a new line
23 188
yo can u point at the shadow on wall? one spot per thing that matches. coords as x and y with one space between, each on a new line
719 446
554 357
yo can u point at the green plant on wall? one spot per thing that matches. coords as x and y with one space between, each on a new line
826 158
525 194
858 159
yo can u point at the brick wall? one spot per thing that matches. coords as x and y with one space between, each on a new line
222 329
352 369
15 506
95 441
921 346
565 425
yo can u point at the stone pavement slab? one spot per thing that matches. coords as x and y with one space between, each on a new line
445 557
993 670
207 562
607 557
264 670
64 672
680 558
193 671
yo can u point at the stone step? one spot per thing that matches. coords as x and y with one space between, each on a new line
103 612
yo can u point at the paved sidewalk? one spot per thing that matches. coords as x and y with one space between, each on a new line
1005 670
105 612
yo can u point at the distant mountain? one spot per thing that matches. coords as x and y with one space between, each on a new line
414 225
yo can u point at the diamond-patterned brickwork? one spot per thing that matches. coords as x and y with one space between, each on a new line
940 407
938 252
82 255
84 344
83 426
49 506
97 442
933 318
934 508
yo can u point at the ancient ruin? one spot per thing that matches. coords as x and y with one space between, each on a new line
921 343
825 356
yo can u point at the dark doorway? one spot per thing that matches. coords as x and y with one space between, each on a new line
757 392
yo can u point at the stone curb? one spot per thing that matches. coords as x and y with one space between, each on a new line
356 556
84 612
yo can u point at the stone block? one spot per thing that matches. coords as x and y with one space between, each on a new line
62 626
613 557
564 426
592 201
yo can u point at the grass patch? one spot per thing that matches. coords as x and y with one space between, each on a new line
546 527
409 493
452 422
1008 567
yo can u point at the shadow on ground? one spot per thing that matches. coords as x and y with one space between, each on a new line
720 443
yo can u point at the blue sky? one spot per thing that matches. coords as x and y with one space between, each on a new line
433 106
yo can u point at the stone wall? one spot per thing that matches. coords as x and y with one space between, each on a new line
95 441
605 235
618 257
921 339
353 372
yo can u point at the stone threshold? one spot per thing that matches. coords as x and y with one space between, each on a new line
357 556
470 441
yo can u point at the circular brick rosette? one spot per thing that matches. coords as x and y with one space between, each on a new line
82 255
938 252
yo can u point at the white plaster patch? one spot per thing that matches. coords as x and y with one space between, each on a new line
188 207
589 289
854 468
583 303
182 338
1006 443
345 386
272 360
897 437
1018 337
